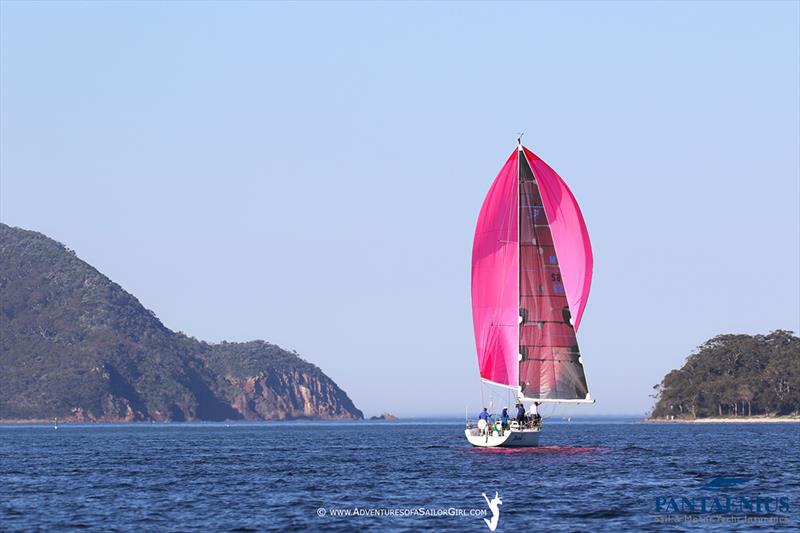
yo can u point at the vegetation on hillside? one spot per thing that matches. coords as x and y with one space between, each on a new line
74 344
735 375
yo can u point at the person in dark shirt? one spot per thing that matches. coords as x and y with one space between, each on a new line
520 414
504 417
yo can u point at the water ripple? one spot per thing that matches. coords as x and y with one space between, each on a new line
274 477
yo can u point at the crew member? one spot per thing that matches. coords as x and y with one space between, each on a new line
537 418
485 417
520 414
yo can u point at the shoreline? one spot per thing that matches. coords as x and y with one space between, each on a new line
121 421
724 420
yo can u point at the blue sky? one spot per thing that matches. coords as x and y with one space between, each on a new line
310 173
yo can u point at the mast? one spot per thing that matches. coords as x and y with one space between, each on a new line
520 154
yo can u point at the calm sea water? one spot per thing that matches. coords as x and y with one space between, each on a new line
276 477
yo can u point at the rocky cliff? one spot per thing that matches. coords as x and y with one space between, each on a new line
75 345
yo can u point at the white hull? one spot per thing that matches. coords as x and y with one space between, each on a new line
513 438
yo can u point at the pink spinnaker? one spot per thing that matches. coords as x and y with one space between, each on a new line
495 264
495 279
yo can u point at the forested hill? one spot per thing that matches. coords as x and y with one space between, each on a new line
75 345
735 375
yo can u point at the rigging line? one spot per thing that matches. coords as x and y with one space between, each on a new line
522 200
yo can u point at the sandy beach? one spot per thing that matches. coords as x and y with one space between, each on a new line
737 420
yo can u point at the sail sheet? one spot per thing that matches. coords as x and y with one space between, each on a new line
549 366
495 280
531 274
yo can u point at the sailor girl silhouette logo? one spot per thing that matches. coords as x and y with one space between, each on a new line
494 505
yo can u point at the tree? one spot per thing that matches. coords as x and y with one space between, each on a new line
730 375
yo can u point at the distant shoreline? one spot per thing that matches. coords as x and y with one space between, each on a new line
121 421
724 420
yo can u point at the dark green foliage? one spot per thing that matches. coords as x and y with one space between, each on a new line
242 359
74 344
735 375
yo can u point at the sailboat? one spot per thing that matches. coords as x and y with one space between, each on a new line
531 274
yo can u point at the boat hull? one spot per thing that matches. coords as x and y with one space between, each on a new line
511 439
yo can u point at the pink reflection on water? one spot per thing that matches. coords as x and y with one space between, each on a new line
544 450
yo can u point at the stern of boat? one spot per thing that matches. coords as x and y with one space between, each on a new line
523 438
